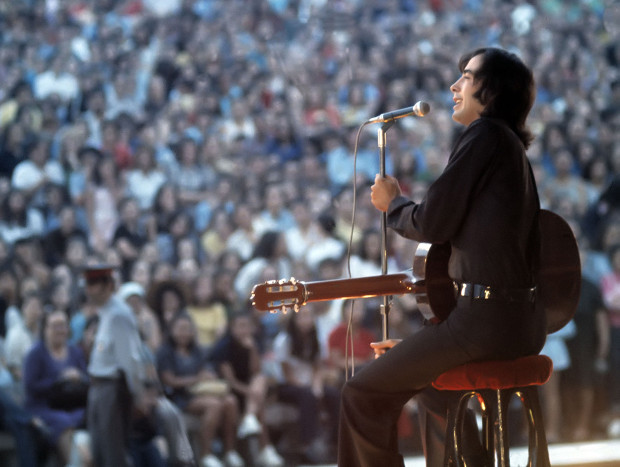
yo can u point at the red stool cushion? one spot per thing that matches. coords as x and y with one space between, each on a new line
533 370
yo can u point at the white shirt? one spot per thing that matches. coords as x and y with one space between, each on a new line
28 175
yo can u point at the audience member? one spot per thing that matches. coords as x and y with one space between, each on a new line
23 336
238 360
349 342
107 101
56 383
183 366
210 316
301 382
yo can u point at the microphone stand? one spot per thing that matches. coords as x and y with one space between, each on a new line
385 307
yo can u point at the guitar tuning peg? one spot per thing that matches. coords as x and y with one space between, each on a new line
284 310
296 308
293 280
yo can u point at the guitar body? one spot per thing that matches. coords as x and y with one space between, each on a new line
434 291
559 281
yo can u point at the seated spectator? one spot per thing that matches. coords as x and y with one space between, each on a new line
24 429
182 364
10 314
167 299
28 262
33 174
17 219
79 320
165 418
301 383
209 314
238 360
349 349
270 251
145 179
55 241
22 337
56 383
130 235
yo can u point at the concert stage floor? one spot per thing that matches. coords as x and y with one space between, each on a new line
592 454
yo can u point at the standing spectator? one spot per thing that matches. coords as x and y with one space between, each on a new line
55 382
116 372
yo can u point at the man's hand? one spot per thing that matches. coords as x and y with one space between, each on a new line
384 191
381 347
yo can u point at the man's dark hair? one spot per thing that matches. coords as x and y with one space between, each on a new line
507 88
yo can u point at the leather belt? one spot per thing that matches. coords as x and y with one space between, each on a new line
486 292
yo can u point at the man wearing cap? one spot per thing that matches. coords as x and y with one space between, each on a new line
116 372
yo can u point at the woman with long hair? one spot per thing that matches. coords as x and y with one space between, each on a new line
183 364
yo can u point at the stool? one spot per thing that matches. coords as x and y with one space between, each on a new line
494 383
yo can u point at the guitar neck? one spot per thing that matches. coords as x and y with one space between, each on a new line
360 287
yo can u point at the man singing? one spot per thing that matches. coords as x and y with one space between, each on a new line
485 206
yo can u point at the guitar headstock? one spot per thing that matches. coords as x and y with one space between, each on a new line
281 295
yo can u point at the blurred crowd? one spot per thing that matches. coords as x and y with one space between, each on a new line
205 146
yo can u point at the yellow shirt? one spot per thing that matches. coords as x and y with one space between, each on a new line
210 322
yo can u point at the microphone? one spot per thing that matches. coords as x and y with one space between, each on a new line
420 109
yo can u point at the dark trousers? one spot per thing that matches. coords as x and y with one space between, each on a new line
373 399
109 422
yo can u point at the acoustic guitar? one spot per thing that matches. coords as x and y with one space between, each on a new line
559 281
